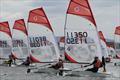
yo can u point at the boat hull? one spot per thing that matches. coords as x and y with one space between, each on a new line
86 73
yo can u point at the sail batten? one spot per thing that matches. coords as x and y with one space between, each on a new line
4 27
38 16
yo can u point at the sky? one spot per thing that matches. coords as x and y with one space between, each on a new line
106 13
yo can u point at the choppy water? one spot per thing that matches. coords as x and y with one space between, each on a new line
19 73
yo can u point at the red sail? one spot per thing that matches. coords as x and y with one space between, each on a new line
38 16
81 8
117 31
20 25
4 27
102 36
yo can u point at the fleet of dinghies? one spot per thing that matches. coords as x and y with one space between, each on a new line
81 41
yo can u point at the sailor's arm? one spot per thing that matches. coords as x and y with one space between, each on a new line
90 64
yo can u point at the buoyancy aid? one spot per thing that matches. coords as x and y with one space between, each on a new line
98 64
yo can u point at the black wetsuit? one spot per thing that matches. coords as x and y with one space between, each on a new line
27 62
10 62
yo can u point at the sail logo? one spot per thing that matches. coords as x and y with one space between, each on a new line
35 18
77 9
38 18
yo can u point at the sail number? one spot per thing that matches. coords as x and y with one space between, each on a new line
3 44
76 37
38 41
18 43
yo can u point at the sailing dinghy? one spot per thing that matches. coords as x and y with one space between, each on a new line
20 49
19 39
43 46
82 42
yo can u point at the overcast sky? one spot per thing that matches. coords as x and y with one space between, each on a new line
106 13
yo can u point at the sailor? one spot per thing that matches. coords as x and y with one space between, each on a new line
58 66
96 65
61 57
10 61
14 59
27 62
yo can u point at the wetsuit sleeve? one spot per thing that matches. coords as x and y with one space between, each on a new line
90 64
93 62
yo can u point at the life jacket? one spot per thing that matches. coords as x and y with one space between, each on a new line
98 64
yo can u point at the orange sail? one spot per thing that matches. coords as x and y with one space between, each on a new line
81 8
102 36
4 27
117 31
20 25
38 16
